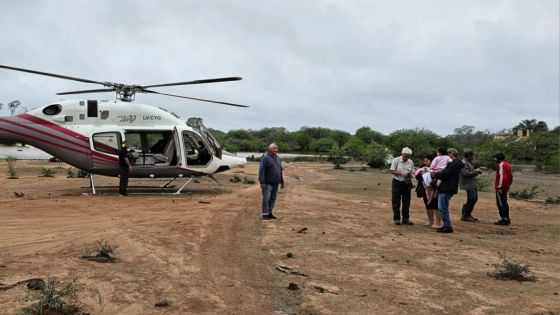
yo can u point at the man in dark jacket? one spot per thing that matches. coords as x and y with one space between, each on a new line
270 176
125 166
448 187
468 183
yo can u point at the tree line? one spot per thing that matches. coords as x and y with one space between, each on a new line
540 147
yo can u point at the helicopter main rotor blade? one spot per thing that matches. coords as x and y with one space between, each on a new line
52 75
86 91
195 82
193 98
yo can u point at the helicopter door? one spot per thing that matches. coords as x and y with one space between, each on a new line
196 124
197 152
105 142
179 149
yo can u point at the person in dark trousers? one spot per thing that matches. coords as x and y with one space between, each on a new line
125 166
467 182
401 169
448 187
270 177
504 179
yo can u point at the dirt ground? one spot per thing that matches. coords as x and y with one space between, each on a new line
206 251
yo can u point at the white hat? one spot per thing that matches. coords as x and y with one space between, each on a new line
407 151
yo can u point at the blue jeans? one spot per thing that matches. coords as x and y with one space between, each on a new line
443 206
269 198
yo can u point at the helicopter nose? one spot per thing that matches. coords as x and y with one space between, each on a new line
231 160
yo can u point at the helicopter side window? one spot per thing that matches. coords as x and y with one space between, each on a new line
107 142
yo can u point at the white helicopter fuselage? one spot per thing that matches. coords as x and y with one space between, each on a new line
88 135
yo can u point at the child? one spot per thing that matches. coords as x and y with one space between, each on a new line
439 162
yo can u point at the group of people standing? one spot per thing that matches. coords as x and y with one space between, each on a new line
438 180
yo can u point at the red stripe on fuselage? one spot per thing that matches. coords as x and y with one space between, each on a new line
83 145
52 125
63 130
42 140
97 154
103 156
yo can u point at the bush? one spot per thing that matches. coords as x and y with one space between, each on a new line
483 183
103 251
511 270
525 194
249 181
235 179
70 173
553 200
54 298
11 161
47 172
82 174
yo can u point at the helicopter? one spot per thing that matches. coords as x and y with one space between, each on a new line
88 134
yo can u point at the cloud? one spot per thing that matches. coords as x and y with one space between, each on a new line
341 65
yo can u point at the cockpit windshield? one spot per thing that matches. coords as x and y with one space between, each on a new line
196 124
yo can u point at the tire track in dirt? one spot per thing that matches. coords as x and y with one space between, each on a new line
236 266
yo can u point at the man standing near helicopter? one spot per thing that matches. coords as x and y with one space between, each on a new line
125 166
270 176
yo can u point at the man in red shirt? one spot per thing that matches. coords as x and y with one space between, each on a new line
504 178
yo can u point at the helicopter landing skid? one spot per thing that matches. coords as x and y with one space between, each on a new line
165 186
180 189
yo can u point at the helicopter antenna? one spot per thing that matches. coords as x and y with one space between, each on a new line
125 92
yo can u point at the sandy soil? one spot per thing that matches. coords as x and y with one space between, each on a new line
207 251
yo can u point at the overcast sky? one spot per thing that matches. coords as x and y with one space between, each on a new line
338 64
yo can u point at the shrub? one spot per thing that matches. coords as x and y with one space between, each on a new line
483 183
249 181
82 174
70 173
553 200
47 172
525 194
235 179
162 303
54 298
511 270
11 161
103 251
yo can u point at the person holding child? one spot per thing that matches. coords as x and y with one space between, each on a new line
449 184
429 193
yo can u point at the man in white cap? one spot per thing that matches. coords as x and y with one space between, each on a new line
401 169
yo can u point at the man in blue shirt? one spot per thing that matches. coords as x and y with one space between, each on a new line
270 176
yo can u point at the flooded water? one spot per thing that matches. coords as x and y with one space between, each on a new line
23 153
282 155
31 153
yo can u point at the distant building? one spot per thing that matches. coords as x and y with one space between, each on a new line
521 133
